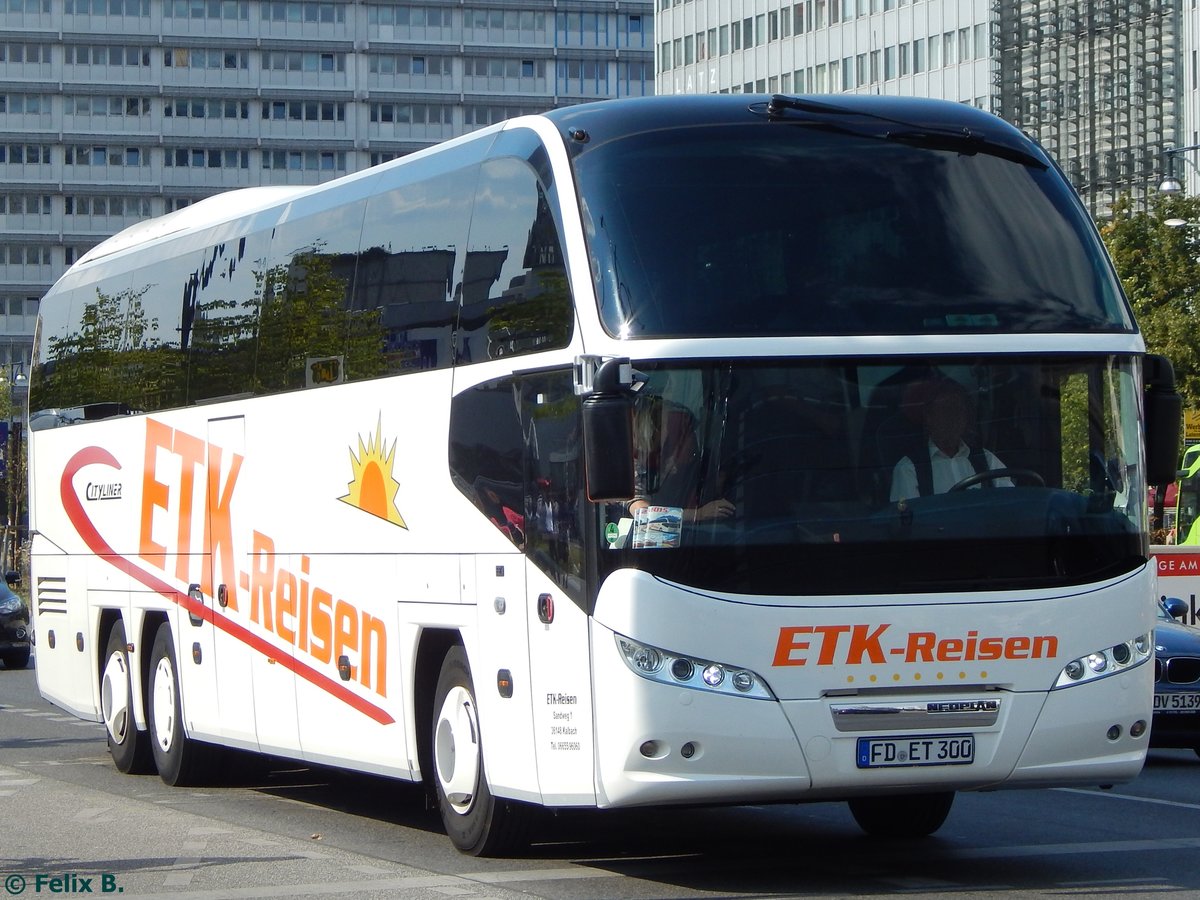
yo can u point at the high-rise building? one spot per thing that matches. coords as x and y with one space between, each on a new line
112 111
1105 85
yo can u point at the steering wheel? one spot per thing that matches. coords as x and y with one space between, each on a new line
993 474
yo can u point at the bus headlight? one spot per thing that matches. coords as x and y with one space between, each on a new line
678 670
1109 661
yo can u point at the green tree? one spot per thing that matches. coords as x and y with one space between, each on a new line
1159 266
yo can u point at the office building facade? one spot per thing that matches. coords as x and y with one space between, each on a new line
112 111
1105 85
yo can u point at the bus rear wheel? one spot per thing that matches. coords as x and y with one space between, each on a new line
902 815
476 822
181 760
130 748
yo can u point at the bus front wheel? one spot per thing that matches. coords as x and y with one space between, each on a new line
902 815
180 759
130 748
476 822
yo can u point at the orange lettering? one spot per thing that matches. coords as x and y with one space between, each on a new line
1016 648
345 629
154 493
262 571
285 604
829 641
787 645
191 454
218 525
322 625
373 631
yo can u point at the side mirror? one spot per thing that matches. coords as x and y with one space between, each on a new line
1177 608
608 432
1164 415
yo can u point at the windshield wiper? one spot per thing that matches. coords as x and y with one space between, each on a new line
964 140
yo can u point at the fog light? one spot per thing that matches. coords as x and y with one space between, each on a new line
1114 732
651 750
643 658
688 750
743 681
1138 728
713 675
1097 662
682 669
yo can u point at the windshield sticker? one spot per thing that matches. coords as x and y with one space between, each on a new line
657 527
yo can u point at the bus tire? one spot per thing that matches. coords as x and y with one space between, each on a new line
17 659
129 748
476 822
902 815
181 761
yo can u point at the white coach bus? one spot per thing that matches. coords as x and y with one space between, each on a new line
590 460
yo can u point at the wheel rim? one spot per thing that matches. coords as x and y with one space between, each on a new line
456 749
114 697
164 705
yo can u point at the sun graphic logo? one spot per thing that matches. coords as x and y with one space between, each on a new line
373 488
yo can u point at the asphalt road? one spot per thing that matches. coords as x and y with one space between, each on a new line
67 814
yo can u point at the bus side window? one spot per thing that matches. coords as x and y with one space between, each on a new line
486 454
407 268
516 298
554 500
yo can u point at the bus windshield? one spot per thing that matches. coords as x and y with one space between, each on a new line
791 229
853 477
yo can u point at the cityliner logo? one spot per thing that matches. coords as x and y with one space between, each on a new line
110 491
186 534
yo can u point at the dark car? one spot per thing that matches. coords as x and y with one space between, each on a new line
14 629
1176 679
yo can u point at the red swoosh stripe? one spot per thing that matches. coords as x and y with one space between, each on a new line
79 518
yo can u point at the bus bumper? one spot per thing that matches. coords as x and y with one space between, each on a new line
659 744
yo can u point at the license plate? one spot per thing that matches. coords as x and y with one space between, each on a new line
916 750
1177 702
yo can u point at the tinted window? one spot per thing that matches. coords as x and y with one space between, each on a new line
785 229
221 300
514 452
487 450
865 477
413 242
118 348
306 337
515 293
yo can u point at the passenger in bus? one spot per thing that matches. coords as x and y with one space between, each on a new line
676 462
946 415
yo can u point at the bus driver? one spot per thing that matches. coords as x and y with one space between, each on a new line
945 416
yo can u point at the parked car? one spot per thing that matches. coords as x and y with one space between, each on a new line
1176 679
14 629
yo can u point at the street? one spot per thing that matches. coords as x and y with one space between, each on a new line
73 824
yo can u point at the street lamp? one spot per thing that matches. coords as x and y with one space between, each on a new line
13 380
1171 185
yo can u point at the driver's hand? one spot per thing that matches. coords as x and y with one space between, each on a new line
715 509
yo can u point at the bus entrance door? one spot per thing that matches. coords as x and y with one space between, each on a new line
230 653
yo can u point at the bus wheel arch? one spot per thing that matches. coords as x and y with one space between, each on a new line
476 821
129 747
